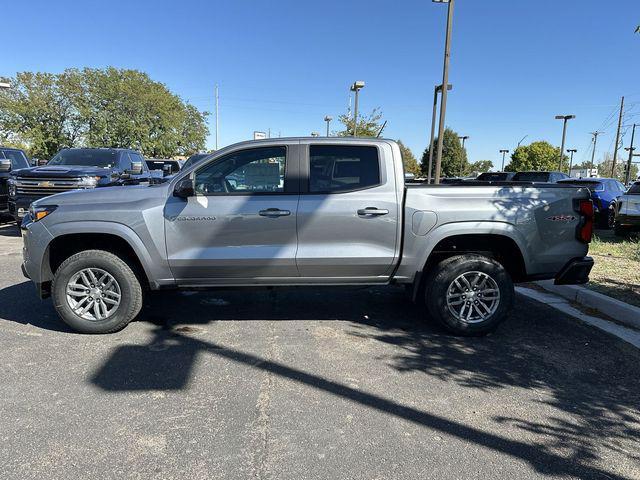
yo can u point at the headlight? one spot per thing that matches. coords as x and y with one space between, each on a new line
11 184
38 212
89 182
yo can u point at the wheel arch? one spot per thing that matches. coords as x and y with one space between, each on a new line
73 237
503 246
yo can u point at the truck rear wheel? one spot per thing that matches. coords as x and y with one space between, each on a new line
469 294
95 291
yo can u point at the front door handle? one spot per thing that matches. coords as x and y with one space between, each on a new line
372 211
274 212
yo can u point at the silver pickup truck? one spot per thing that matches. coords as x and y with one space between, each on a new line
305 211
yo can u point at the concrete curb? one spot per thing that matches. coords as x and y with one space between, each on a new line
619 311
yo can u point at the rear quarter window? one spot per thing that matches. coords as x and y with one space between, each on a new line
342 168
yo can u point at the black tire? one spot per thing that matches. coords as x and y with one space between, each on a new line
442 276
130 299
620 231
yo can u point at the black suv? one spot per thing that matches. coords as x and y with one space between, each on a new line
11 159
76 168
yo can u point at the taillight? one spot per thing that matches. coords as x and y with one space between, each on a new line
585 228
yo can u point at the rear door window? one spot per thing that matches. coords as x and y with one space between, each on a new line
343 168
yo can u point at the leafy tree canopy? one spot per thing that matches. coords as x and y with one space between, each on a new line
408 160
368 125
454 156
480 166
99 108
538 156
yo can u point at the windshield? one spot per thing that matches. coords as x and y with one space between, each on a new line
493 176
593 186
17 157
86 157
531 177
194 158
634 190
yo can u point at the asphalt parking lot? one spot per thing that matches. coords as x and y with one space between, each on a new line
308 384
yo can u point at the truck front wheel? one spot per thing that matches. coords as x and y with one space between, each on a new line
469 294
95 291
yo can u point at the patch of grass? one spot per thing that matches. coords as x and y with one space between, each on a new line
616 272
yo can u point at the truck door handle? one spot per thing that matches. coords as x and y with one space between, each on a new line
274 212
373 211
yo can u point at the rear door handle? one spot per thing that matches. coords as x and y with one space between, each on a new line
274 212
372 211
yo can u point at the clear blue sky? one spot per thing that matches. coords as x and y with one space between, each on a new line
284 64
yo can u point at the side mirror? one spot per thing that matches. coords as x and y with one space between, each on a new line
5 165
136 168
184 188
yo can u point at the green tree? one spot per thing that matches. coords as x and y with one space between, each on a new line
538 156
605 165
408 160
99 108
454 156
368 125
36 111
480 166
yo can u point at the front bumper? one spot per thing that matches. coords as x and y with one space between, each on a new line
18 207
575 272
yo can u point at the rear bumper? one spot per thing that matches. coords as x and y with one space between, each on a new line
575 272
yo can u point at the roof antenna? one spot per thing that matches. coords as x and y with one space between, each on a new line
381 129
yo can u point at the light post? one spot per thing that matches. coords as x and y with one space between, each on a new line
571 151
433 127
445 81
356 87
564 118
503 152
328 119
463 138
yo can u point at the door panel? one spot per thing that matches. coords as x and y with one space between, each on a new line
212 237
352 231
241 222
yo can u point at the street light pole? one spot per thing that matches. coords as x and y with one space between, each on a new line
356 87
463 138
503 152
436 89
217 117
564 118
571 151
328 119
445 81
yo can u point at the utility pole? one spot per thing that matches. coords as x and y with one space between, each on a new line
445 81
630 160
565 118
617 145
593 153
328 119
463 138
217 118
436 89
571 151
503 152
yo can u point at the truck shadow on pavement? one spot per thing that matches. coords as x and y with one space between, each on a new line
587 380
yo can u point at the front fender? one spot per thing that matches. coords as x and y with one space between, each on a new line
152 259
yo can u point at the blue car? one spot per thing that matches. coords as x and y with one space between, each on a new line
604 192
